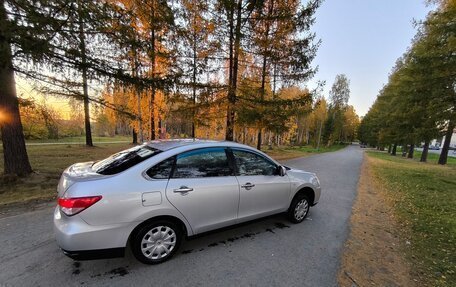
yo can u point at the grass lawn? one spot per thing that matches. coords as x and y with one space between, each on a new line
424 200
48 162
284 153
81 139
434 158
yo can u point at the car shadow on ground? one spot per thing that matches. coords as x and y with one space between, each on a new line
229 235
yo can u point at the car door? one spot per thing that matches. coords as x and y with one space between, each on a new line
263 191
204 189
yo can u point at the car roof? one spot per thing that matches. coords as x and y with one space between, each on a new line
183 145
168 144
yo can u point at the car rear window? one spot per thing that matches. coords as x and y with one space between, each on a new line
124 160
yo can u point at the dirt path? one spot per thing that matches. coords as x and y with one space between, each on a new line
373 254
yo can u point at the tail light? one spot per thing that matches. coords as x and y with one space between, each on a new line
72 206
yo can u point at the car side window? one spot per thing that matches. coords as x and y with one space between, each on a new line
161 170
208 162
249 163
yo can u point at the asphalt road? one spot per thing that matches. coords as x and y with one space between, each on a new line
268 252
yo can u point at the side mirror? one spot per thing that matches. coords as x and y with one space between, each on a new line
282 170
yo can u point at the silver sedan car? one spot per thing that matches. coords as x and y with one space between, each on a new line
150 197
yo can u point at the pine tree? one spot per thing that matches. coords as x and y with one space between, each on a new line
283 47
14 151
78 54
26 27
197 53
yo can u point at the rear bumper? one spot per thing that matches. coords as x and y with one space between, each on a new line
75 236
95 254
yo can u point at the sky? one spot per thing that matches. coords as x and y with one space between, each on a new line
363 39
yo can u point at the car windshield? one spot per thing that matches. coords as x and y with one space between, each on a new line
124 160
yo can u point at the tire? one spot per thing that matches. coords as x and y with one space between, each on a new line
156 242
299 202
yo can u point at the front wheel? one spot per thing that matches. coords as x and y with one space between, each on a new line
156 242
299 209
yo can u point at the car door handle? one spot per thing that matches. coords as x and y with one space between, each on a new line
183 189
248 186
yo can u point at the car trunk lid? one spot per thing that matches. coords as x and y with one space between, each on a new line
76 172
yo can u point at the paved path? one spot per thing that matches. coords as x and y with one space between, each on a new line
268 252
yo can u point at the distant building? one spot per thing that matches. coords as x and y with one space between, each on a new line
452 143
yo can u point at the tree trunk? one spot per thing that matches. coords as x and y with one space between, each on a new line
82 47
138 98
14 152
231 93
264 70
411 150
194 84
319 135
152 115
300 136
393 152
389 148
230 113
140 127
262 92
235 65
259 139
425 151
152 94
135 137
446 144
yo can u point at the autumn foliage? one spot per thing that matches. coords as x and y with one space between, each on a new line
153 69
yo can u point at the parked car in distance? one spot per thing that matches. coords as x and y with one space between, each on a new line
150 197
434 147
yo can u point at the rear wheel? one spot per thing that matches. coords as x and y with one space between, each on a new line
156 242
299 209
